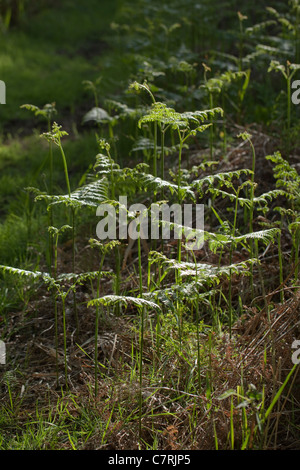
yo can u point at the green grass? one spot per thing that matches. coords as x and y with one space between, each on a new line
46 60
31 154
54 51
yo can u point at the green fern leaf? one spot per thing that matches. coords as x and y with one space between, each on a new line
124 300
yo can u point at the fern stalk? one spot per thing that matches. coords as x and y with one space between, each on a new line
230 262
162 157
141 338
63 298
51 192
211 129
97 328
155 150
197 326
297 245
288 85
280 257
246 136
55 232
73 223
179 319
179 187
55 308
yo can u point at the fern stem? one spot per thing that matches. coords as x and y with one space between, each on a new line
96 337
65 167
50 208
155 150
211 129
280 268
230 262
141 338
97 322
179 187
288 113
197 326
56 337
297 243
118 275
55 307
65 337
162 159
73 270
73 228
252 209
224 125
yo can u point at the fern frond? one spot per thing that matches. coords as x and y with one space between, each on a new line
33 275
265 198
272 51
156 184
91 195
104 248
204 272
108 300
21 272
122 109
161 113
266 236
55 134
188 291
143 144
259 27
47 111
98 115
221 178
82 277
233 197
286 176
105 164
65 277
202 115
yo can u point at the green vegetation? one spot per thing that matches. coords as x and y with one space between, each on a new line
112 344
